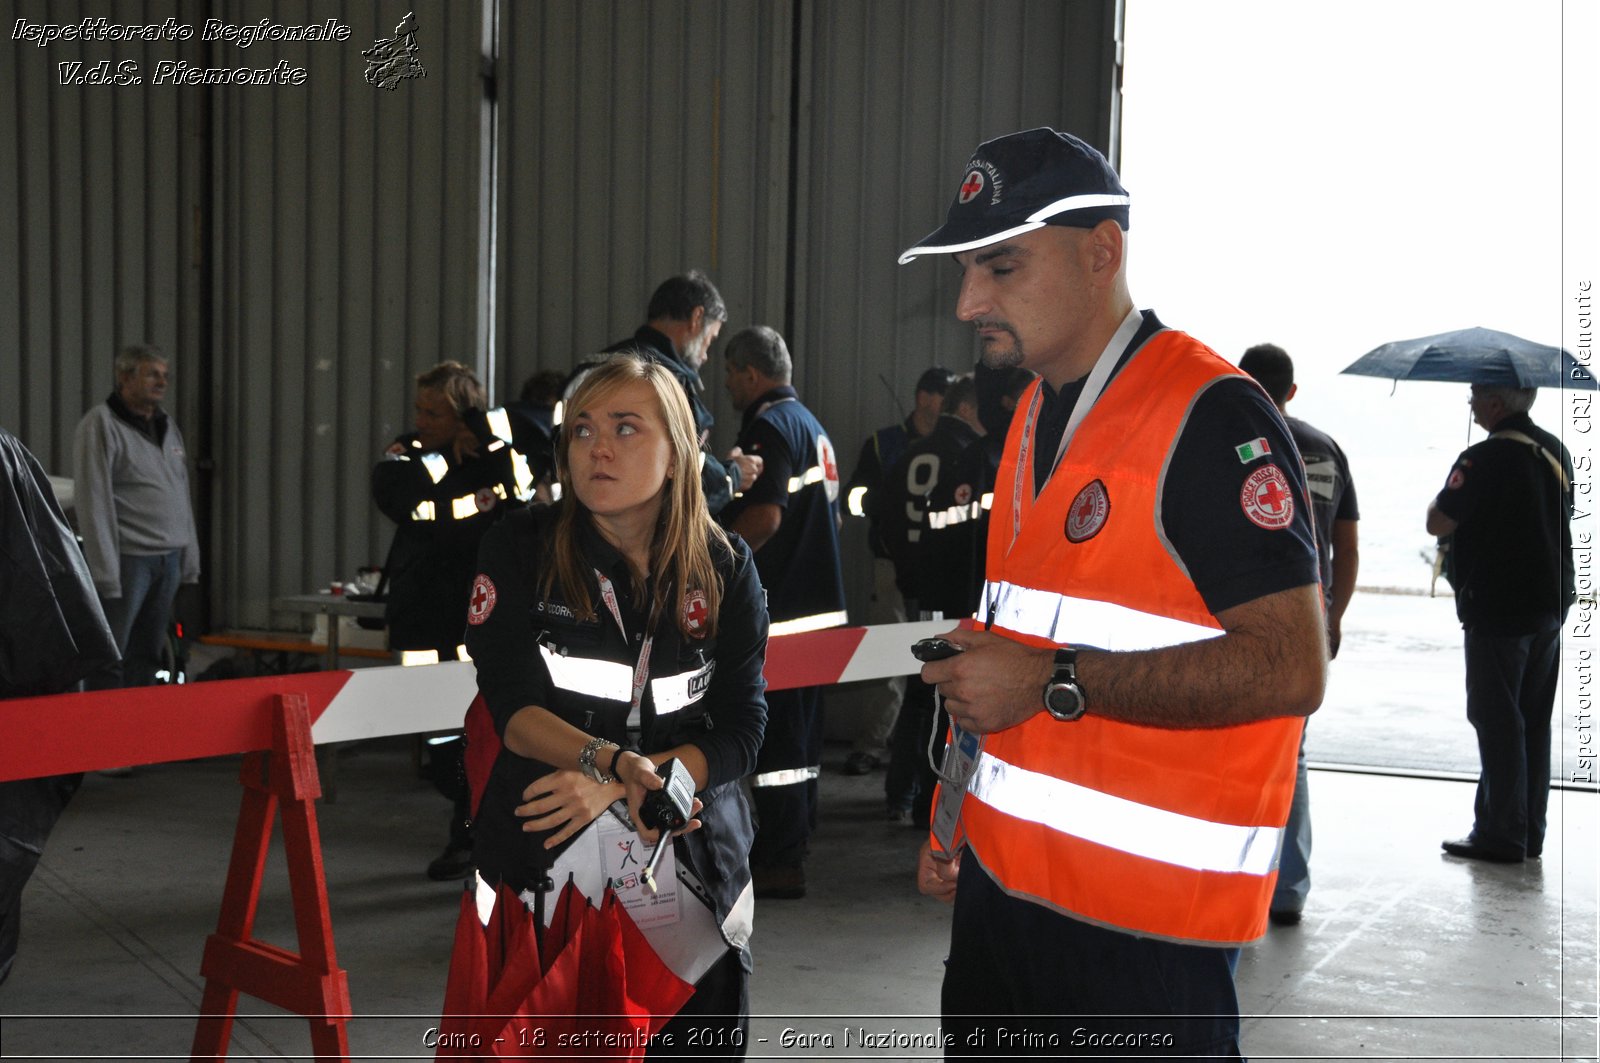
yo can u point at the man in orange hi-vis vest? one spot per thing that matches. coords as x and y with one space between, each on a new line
1128 703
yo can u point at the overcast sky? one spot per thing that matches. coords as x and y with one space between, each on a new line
1332 177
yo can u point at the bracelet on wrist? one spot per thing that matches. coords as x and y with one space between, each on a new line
611 769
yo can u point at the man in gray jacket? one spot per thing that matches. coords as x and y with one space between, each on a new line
132 500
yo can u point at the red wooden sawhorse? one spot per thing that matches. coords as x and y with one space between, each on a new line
310 982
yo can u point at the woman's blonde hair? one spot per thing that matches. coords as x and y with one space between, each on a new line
680 552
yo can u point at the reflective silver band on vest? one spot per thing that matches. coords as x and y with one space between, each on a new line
1121 824
815 622
601 679
1064 619
674 692
786 777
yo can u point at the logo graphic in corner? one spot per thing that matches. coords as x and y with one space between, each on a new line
1267 499
481 604
392 60
1088 513
695 613
971 187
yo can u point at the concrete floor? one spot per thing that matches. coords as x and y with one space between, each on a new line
1404 953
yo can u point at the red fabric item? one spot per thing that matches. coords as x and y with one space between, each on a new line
467 987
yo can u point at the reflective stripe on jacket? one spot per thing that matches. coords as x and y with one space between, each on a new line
1155 831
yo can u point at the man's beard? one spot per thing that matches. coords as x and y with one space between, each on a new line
998 359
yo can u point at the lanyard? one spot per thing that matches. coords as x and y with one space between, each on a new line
1093 385
641 670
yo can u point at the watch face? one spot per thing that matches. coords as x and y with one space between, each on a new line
1064 701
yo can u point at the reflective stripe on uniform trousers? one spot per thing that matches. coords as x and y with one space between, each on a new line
1120 824
1079 811
786 776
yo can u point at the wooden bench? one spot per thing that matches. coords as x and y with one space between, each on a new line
285 642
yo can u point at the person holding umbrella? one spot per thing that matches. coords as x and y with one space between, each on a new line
614 631
1506 508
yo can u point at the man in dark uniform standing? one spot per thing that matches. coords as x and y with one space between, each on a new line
1335 513
865 496
790 518
1507 507
929 582
684 317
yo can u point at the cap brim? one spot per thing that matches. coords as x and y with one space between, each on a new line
932 243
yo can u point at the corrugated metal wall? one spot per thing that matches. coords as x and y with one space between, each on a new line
346 259
896 94
305 250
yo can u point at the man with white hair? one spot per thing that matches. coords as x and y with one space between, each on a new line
131 495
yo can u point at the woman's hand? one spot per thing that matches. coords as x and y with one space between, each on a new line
639 778
565 802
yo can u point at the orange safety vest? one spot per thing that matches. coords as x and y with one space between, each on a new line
1159 832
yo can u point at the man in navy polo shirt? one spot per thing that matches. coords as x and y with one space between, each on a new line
790 517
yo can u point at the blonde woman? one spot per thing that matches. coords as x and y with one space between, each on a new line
612 631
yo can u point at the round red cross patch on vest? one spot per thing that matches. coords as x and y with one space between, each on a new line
481 603
485 499
963 494
1088 513
695 613
1267 498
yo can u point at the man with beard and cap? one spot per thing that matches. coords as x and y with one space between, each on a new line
1126 708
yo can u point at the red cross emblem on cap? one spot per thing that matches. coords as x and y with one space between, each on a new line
971 186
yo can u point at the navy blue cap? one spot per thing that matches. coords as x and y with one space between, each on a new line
1025 181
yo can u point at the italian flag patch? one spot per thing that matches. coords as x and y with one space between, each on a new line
1256 448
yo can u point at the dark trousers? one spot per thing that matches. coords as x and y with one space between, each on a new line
1511 690
786 805
715 1022
908 784
1024 980
139 619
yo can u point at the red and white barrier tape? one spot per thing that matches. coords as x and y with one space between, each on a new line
152 725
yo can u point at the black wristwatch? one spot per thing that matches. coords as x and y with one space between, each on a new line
1063 697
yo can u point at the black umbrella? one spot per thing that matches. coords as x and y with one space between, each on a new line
1476 356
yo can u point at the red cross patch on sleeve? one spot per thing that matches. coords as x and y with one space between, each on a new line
1267 499
481 603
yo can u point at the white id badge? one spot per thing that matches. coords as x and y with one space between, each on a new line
960 761
623 855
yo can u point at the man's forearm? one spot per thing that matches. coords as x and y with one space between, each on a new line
1271 661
